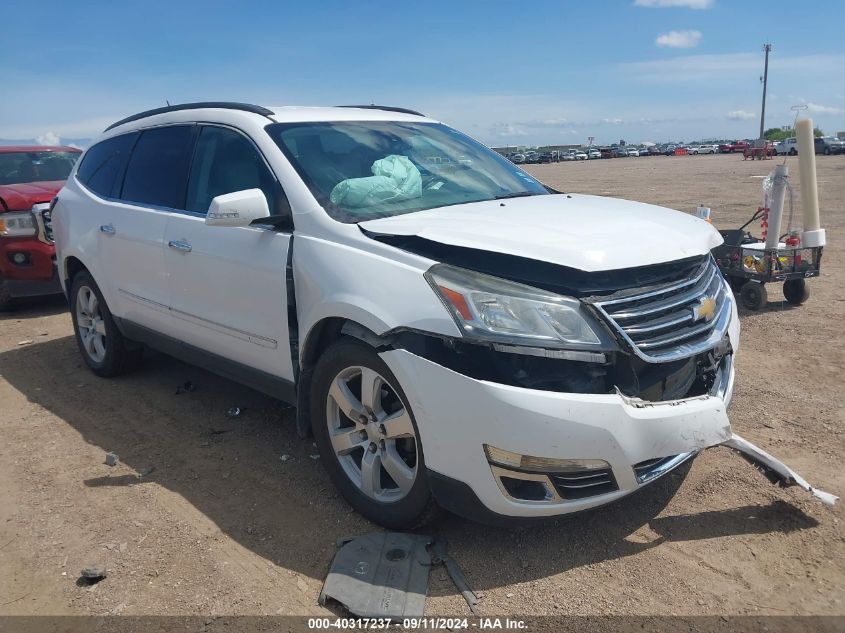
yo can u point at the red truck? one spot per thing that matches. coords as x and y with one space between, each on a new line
30 177
733 146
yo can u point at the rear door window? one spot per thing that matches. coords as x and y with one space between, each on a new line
158 168
226 161
102 168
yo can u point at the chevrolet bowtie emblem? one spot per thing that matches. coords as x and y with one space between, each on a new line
704 309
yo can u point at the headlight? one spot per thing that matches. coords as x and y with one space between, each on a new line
492 309
17 224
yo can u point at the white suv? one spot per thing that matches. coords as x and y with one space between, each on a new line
452 331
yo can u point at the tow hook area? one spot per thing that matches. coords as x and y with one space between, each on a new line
775 471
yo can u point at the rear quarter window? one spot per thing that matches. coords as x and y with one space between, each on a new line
103 164
157 172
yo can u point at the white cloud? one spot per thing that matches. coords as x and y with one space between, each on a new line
730 65
679 39
48 138
660 4
741 115
815 108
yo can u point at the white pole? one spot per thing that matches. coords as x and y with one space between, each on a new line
776 206
813 233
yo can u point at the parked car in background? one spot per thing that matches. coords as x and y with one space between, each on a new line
594 153
532 157
439 353
580 155
568 155
619 152
733 146
517 159
30 176
821 145
704 149
544 157
607 152
654 150
830 145
836 145
633 151
669 150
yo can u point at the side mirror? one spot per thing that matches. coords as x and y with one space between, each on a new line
239 208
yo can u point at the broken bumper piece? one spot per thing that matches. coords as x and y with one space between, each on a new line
775 470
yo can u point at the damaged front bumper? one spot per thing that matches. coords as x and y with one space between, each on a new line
517 452
624 443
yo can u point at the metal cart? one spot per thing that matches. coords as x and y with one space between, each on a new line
749 266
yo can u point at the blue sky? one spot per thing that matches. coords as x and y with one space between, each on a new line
553 71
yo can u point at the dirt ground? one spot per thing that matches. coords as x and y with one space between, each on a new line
238 517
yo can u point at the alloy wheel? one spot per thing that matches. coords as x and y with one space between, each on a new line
372 434
92 328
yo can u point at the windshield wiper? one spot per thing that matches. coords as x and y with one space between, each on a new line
516 194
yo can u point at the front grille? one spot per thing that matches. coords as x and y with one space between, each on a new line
584 483
47 222
673 321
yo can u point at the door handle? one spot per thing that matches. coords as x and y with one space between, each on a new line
108 229
180 245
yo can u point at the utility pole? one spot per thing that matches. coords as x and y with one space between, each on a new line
766 49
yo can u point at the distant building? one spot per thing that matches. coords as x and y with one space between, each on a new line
510 149
840 135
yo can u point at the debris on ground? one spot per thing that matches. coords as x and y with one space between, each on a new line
234 412
26 342
380 575
111 459
315 456
285 457
149 470
185 387
93 573
439 556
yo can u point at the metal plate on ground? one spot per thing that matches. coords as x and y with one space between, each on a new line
380 575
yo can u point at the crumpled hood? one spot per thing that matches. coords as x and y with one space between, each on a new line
590 233
21 197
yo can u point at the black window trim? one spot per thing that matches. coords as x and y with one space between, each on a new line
198 125
282 198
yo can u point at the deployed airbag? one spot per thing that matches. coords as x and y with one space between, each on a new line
395 178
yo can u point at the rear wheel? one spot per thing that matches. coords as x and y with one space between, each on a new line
793 151
754 296
796 291
368 438
103 347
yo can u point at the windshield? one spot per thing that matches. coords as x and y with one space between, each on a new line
35 166
363 170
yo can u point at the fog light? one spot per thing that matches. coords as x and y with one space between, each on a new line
508 459
20 258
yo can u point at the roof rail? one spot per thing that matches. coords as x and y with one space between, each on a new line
373 106
225 105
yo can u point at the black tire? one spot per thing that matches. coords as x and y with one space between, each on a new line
827 151
5 297
793 151
796 291
417 507
121 355
754 296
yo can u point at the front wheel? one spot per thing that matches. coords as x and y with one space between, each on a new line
368 438
5 296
